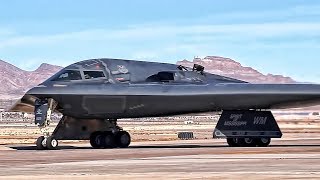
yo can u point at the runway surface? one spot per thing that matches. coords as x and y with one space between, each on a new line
209 159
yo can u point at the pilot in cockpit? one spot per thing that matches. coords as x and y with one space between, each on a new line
87 76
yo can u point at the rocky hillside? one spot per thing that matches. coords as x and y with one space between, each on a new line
14 81
231 68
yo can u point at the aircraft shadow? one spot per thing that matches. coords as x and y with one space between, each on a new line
33 148
209 146
131 147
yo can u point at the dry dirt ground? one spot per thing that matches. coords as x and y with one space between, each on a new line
153 131
157 154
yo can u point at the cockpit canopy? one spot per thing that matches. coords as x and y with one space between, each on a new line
125 71
176 76
68 75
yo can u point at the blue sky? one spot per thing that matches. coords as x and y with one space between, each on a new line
273 36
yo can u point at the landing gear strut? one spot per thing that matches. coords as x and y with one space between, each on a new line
43 110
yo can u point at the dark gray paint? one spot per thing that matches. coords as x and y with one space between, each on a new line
133 96
241 124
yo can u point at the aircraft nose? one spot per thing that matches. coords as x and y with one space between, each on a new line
25 104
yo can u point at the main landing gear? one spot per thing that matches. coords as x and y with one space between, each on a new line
102 133
120 139
249 142
113 137
247 128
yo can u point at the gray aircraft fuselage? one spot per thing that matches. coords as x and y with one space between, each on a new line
115 88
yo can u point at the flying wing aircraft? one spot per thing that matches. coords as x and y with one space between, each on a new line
93 94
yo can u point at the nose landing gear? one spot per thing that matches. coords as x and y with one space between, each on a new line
43 110
47 143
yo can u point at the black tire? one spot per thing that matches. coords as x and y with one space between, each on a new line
233 142
52 143
263 142
96 140
39 143
123 139
247 142
108 140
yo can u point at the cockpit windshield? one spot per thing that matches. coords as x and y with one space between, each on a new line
93 74
68 75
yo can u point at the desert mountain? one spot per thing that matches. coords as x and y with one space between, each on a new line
15 82
230 68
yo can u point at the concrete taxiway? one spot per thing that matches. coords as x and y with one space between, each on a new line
209 159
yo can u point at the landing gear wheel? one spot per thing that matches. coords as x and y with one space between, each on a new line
123 139
263 142
108 140
41 143
233 142
52 143
247 142
96 140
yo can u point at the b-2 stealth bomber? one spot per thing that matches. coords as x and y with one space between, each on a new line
93 94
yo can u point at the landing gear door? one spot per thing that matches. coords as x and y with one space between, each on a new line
240 124
40 112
